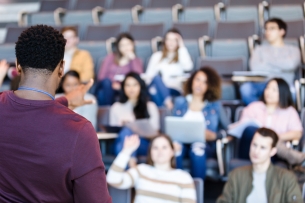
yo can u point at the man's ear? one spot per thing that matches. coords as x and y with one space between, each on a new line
18 67
283 32
273 151
61 68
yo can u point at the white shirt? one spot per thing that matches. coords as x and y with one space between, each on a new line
68 59
258 193
194 115
170 70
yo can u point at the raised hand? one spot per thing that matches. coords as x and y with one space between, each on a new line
76 97
131 144
180 40
4 66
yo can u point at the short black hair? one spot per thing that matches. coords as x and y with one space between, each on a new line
71 73
279 22
140 110
40 48
213 92
265 132
285 98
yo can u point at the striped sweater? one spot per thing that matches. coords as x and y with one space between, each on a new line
152 185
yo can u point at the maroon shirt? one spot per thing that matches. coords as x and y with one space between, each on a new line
48 153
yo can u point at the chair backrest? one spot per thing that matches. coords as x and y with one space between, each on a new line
46 18
163 112
235 30
203 3
163 4
244 2
119 196
290 2
125 4
224 66
7 51
193 30
286 12
146 31
238 113
295 28
52 5
13 33
199 189
101 32
88 4
103 116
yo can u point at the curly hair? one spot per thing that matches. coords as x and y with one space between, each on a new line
213 92
40 48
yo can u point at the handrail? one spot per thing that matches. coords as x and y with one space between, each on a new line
22 16
109 43
217 10
154 43
175 12
59 11
251 43
135 13
96 11
302 46
261 13
202 41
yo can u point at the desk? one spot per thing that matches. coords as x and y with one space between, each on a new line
103 137
239 78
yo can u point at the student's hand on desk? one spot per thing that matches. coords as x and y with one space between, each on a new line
76 97
210 136
116 85
131 144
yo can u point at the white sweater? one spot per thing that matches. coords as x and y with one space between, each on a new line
170 70
123 112
152 185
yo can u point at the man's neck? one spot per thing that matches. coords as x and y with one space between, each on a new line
278 43
262 167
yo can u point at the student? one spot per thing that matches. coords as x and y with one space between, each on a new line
121 62
201 103
157 181
133 105
275 58
76 59
276 112
170 63
262 181
48 153
71 81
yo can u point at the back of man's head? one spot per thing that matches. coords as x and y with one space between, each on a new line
40 48
281 24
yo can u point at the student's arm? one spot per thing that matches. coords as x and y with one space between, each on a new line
114 116
288 63
116 176
87 170
256 61
87 67
4 66
152 67
137 65
295 129
292 189
227 195
154 117
188 192
185 59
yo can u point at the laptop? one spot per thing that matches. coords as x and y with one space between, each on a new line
185 131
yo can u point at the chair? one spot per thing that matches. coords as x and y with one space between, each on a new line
52 5
295 29
244 2
88 4
146 31
144 51
235 30
116 16
13 33
125 4
103 116
294 10
7 51
198 14
119 196
46 18
101 32
199 189
163 4
193 31
203 3
238 113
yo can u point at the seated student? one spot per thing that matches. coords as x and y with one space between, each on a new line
276 58
76 59
71 81
276 112
121 62
133 105
201 103
261 182
157 181
171 62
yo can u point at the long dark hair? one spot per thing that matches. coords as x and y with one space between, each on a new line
140 110
117 53
285 98
149 159
72 73
213 92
